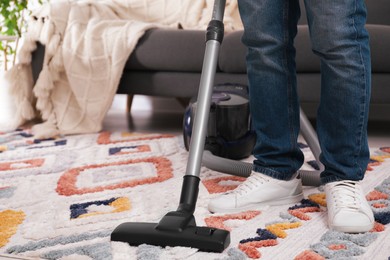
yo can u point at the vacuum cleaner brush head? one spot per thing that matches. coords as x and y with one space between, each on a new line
204 238
176 228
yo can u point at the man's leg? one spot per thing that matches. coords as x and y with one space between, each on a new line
341 41
270 27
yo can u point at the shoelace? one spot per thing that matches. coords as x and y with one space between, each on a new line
346 195
251 182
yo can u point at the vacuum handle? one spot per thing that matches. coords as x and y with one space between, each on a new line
214 36
218 10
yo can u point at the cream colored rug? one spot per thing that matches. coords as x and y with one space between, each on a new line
61 198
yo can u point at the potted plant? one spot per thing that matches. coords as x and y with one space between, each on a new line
12 26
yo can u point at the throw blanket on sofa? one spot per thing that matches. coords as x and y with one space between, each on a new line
87 45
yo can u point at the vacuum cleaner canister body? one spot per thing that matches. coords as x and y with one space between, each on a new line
229 133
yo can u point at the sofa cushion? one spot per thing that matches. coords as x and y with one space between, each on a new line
378 12
183 51
169 50
232 53
380 43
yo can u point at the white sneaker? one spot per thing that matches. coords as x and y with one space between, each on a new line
256 192
348 209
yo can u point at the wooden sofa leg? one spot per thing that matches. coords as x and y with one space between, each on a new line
129 103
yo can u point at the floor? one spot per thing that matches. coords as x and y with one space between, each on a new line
164 115
148 114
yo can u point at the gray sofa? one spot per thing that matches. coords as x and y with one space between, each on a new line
168 63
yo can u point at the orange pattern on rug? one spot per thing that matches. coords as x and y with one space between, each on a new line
67 182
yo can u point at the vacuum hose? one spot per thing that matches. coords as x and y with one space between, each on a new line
244 169
233 167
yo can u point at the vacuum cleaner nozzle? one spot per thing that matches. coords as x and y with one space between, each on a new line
204 238
176 228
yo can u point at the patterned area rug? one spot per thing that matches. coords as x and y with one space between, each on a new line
61 198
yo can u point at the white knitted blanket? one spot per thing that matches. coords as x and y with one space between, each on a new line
87 45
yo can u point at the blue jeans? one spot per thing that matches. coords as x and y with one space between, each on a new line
341 41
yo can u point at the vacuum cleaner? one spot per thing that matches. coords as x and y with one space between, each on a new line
230 136
178 228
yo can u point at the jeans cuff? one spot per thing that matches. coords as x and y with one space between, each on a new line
272 173
328 179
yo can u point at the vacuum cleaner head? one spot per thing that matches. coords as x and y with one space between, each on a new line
204 238
176 228
229 133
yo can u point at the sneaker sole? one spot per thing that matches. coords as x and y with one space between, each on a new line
352 229
260 206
